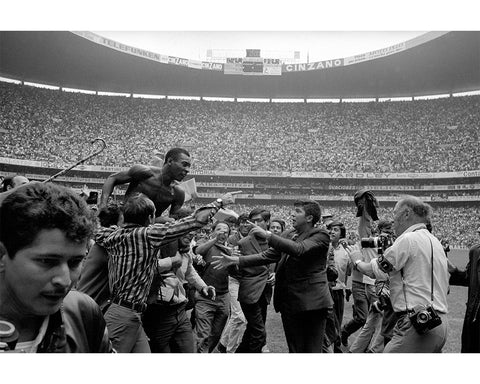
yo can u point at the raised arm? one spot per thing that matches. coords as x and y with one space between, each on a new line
178 199
296 249
135 173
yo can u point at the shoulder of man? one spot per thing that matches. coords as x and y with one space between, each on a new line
289 233
84 324
140 171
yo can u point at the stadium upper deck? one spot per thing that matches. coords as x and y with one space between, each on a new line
431 64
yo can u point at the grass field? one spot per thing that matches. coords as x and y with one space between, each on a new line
456 306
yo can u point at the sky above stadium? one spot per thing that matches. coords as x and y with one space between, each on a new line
312 45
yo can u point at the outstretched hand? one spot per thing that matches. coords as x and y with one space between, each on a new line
224 261
354 252
229 198
257 231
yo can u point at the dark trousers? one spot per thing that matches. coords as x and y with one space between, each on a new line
305 330
210 319
360 309
338 296
168 328
255 336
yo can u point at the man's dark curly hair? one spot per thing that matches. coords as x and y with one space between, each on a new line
110 214
34 207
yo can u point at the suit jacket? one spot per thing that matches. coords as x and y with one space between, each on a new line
94 278
301 279
470 278
78 327
253 280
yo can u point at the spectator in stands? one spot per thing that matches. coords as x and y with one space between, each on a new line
370 137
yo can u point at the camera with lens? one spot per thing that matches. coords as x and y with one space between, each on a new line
424 318
8 336
382 303
343 243
381 242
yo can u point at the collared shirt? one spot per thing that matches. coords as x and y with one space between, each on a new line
133 251
341 263
170 289
412 254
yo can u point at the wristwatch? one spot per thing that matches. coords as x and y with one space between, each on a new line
219 202
357 262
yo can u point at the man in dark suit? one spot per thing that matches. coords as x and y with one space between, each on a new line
301 289
470 278
254 292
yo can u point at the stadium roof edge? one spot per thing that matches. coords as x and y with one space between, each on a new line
434 63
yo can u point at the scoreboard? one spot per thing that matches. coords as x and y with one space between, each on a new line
252 64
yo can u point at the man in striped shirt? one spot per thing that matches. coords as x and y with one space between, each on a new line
133 252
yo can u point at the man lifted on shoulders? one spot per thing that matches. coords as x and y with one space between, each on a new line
158 184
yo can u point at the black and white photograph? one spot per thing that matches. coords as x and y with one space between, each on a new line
264 188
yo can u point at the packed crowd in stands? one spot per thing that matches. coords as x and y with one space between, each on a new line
411 136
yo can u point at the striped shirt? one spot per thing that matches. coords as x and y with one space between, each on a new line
133 251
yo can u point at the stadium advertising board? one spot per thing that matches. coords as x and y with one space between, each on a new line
315 175
375 54
225 185
252 66
312 66
212 66
164 59
255 65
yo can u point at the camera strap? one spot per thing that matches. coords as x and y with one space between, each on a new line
431 279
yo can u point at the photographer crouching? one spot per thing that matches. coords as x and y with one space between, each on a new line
417 268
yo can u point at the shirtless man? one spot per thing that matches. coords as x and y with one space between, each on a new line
159 184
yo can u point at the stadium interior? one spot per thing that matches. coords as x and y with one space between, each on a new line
274 152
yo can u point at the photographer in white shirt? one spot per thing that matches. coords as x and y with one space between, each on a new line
417 267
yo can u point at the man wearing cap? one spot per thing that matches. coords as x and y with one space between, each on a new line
363 288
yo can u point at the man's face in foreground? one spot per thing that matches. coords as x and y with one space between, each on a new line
39 276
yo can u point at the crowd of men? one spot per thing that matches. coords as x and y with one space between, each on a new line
129 279
456 225
409 136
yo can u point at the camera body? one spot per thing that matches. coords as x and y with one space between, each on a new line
424 318
382 303
381 242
